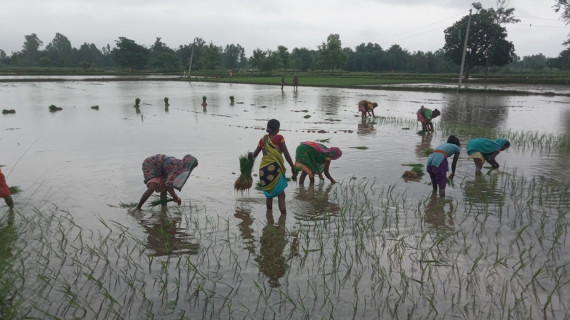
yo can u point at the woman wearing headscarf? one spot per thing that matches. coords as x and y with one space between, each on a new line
314 158
164 174
482 149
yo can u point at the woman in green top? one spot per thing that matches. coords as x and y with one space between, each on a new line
314 158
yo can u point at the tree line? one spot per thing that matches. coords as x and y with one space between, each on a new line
487 48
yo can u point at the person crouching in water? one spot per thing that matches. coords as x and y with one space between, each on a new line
164 174
437 165
315 158
482 149
272 168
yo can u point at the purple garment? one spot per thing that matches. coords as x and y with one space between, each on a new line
438 175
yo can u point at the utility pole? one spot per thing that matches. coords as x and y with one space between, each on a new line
464 51
191 56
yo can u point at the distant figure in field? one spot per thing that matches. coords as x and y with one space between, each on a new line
164 174
282 82
437 165
366 107
425 115
295 82
481 150
5 191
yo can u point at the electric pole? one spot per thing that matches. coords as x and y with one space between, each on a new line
464 51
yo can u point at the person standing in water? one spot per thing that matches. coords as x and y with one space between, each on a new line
272 168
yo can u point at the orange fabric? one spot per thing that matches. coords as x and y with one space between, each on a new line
442 152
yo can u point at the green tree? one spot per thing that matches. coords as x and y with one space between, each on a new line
234 57
284 56
302 59
486 45
332 55
88 53
162 58
31 54
59 51
129 54
210 57
257 59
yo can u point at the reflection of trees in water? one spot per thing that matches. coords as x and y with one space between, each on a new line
366 126
165 237
8 236
245 228
482 190
436 215
424 144
315 202
476 109
271 260
330 104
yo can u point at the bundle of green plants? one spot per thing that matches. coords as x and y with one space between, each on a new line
8 111
137 102
54 108
14 189
428 151
232 99
165 100
204 99
416 168
245 180
95 107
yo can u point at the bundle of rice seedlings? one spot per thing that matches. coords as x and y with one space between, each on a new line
427 152
245 180
417 169
14 189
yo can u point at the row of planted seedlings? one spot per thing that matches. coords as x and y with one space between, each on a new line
498 253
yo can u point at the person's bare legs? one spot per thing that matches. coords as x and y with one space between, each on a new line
478 166
269 204
281 202
9 201
302 178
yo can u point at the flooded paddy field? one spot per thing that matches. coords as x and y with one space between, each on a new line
374 245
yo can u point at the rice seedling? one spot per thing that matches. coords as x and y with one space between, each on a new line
245 179
379 256
232 98
360 147
54 108
307 116
95 107
137 102
8 111
166 101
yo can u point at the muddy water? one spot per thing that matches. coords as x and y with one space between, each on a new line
89 161
84 159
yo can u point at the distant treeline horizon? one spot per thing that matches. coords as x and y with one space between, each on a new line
330 55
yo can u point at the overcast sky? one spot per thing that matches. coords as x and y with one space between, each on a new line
415 25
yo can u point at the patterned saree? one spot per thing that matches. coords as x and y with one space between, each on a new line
272 170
